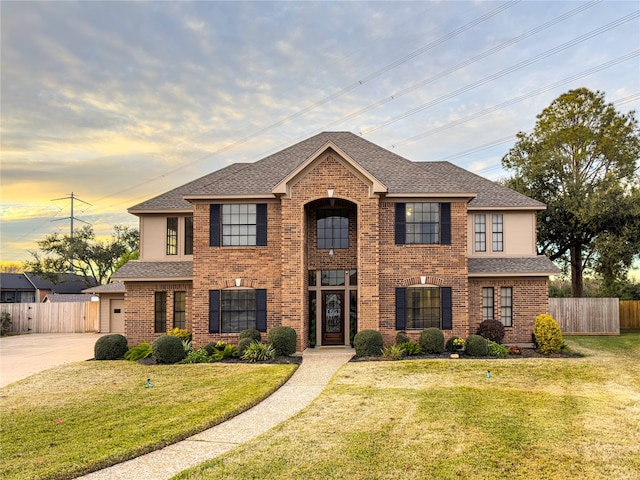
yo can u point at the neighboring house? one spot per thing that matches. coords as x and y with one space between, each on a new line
111 306
67 298
331 236
16 288
28 288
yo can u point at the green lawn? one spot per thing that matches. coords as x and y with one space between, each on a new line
560 418
83 416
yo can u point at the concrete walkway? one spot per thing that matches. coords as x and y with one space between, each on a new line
24 355
317 368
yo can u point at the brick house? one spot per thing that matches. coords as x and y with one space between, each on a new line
331 236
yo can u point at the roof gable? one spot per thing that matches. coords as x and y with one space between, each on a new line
375 185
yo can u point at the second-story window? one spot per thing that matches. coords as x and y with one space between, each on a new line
481 232
188 235
423 223
497 231
333 228
172 235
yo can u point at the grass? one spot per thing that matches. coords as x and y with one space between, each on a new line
84 416
551 418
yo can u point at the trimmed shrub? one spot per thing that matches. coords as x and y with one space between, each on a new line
476 346
496 350
138 353
259 352
368 343
168 349
393 352
491 330
547 334
110 347
432 340
283 340
243 344
181 333
227 352
401 337
251 333
411 348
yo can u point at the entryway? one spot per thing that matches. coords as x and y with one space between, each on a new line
333 317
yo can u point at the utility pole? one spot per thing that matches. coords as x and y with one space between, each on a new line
71 218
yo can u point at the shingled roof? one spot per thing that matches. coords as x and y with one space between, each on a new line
135 270
533 266
399 175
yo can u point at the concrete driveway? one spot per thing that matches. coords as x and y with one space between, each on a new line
23 355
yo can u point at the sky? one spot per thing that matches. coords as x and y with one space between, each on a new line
118 102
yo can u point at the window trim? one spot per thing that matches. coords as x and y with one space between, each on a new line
506 306
172 225
160 312
488 303
180 309
497 232
480 232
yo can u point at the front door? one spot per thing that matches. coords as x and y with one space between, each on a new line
333 317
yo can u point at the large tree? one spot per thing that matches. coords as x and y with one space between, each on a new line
83 254
582 161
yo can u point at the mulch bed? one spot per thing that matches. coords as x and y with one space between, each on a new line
526 353
280 359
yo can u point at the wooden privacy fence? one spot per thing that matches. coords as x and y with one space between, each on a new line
630 314
586 316
65 317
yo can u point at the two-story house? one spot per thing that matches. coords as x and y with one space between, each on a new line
331 236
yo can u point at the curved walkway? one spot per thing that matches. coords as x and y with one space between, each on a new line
317 368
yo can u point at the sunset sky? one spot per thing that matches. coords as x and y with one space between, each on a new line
121 101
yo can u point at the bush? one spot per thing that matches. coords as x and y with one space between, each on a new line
393 352
547 334
168 349
227 352
368 343
181 333
251 333
243 344
258 352
411 348
5 323
432 340
110 347
496 350
476 346
515 350
138 353
197 356
401 337
491 330
450 346
283 340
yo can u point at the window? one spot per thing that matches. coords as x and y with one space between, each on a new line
238 225
333 228
160 312
172 235
498 244
179 309
423 223
234 310
487 303
481 232
422 307
188 235
330 278
506 306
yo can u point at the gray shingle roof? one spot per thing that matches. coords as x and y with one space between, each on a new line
15 281
540 265
67 297
401 176
137 270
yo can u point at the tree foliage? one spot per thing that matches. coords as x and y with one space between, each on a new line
581 160
84 254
